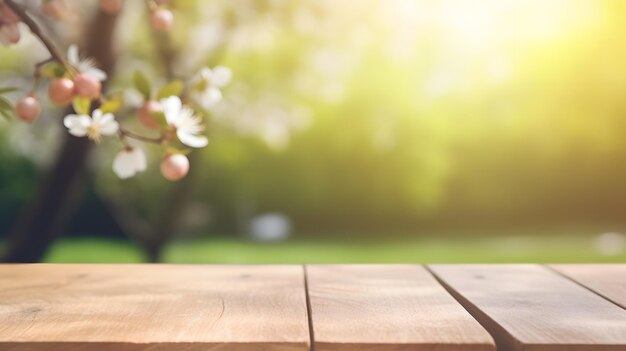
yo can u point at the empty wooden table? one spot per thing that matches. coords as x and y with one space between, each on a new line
320 307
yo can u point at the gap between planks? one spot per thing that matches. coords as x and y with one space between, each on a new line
615 298
497 332
559 315
387 307
309 312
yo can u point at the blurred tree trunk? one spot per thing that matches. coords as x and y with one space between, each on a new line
171 214
43 220
152 238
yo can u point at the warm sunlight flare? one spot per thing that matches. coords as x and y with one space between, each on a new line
497 122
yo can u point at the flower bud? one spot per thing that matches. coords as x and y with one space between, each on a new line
162 20
61 91
146 114
111 6
9 34
55 9
87 86
7 15
174 166
28 109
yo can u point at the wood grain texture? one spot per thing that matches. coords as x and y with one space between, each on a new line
152 307
387 307
608 280
531 308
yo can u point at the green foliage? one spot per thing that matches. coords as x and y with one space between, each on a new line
6 90
6 108
174 88
52 70
112 103
160 117
81 105
142 84
464 120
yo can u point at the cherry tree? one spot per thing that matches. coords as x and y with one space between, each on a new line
171 114
77 81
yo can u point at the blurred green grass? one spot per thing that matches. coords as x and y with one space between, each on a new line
529 248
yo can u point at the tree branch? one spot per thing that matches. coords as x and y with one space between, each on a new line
156 140
56 55
36 30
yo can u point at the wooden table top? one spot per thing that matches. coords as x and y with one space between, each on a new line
320 307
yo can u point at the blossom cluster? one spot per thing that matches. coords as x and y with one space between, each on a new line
175 110
161 17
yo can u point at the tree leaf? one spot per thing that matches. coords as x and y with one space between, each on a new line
160 117
174 88
110 106
5 90
113 103
5 104
81 105
201 85
52 70
6 114
142 84
6 108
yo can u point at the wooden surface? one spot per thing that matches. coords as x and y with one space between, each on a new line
387 307
531 308
329 307
608 280
152 307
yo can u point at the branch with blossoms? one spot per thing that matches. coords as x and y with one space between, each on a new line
174 111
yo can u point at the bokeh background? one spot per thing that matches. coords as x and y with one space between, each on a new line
353 131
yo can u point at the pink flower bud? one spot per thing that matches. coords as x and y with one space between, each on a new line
9 34
174 166
111 6
162 20
146 114
7 15
61 91
28 109
87 86
56 9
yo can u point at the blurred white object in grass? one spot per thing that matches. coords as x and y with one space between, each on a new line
270 227
610 243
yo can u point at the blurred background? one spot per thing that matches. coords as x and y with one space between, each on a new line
353 131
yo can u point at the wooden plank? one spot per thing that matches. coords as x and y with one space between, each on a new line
530 308
608 280
387 307
152 307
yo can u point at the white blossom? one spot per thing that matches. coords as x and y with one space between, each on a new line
129 161
93 127
187 123
86 65
209 83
